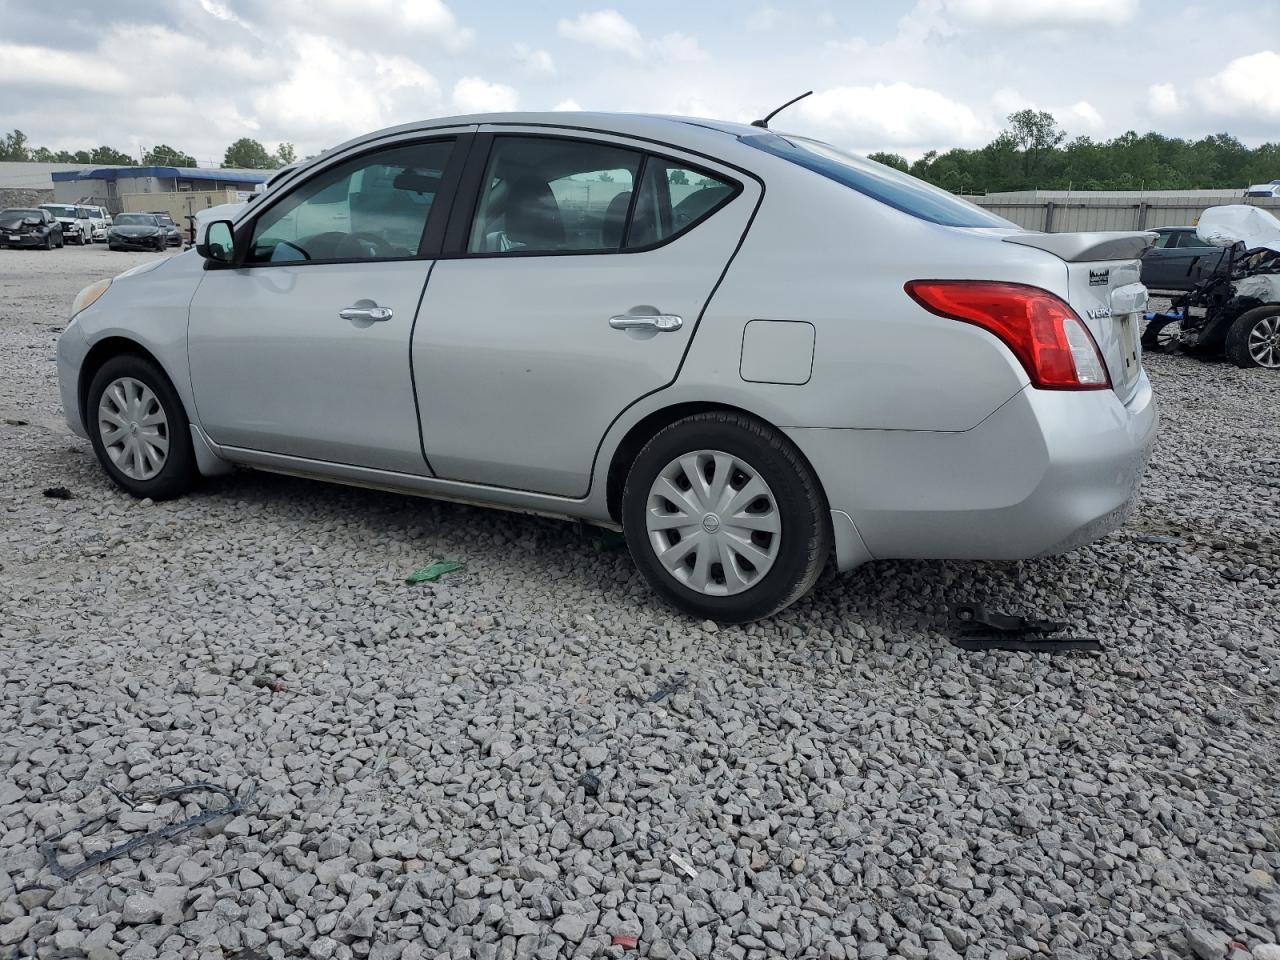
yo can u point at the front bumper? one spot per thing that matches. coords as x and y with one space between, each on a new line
73 347
24 240
134 243
1048 471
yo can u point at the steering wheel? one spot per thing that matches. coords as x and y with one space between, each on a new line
364 245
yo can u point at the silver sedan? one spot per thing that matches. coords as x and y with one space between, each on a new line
752 352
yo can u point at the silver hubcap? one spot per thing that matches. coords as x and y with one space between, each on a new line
134 429
1264 342
713 523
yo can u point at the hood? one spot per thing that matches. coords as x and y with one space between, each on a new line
134 230
12 224
1236 223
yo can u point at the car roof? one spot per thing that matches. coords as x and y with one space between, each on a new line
693 133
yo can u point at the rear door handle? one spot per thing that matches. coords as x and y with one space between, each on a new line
659 322
366 311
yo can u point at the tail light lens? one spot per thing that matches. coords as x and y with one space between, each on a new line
1044 333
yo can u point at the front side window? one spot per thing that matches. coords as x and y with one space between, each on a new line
374 207
885 184
550 195
672 199
1166 240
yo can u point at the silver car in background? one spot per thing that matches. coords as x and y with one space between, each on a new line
748 350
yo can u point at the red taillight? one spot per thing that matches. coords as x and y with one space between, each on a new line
1046 336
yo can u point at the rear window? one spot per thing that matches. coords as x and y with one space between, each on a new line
893 187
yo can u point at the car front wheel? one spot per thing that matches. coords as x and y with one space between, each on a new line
724 518
139 429
1254 338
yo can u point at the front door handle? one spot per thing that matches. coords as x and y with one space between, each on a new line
658 322
366 310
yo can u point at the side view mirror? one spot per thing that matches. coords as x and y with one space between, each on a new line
219 243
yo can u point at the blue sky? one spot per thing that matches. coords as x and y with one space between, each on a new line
905 76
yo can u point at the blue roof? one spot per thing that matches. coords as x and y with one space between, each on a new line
180 173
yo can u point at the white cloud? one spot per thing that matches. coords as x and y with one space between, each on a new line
1041 13
1244 87
898 114
606 29
333 92
475 95
1081 117
679 47
535 62
24 65
567 105
375 19
763 20
1162 99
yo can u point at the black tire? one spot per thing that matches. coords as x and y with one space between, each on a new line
179 473
1237 345
48 241
805 522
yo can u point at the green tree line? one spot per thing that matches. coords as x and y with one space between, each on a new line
245 153
1033 152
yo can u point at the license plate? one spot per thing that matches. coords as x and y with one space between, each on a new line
13 237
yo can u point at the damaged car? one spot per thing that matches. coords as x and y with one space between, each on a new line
137 231
1235 310
29 227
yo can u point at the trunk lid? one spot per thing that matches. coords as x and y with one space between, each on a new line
1104 287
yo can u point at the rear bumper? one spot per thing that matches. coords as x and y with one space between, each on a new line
1047 472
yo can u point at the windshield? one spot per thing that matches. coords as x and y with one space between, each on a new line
83 213
893 187
61 211
135 219
18 212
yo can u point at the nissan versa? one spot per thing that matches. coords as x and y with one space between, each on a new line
749 350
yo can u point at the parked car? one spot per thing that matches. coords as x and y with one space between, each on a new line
1179 259
1271 189
29 227
100 221
746 350
137 231
172 232
77 227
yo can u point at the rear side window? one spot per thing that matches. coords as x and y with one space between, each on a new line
892 187
672 199
553 195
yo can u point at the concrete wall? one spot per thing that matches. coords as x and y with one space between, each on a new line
24 197
1088 212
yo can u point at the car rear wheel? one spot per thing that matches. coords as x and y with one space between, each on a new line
1254 338
724 518
139 429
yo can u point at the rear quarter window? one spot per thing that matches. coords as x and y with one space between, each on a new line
891 187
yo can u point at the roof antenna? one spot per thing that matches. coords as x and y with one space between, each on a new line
764 124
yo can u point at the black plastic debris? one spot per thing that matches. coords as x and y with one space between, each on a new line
15 422
666 690
57 493
590 784
49 848
978 629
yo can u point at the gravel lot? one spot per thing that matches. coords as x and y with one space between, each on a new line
841 781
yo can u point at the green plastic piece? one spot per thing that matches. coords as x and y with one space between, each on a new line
434 571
